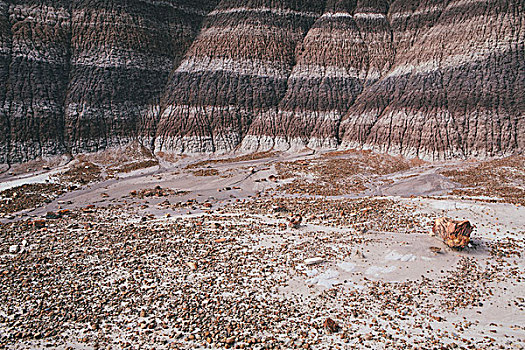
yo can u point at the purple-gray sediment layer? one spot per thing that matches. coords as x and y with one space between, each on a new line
429 79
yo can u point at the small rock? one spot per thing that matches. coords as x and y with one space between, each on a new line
330 326
435 250
359 254
295 221
52 215
39 223
279 209
313 261
191 265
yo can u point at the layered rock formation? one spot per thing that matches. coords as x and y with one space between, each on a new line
236 71
82 75
34 80
346 49
5 59
456 86
121 54
434 79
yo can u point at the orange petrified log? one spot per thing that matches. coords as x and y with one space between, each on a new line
455 234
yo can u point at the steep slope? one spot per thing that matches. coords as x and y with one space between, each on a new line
347 48
83 75
235 71
433 79
5 59
120 66
34 77
457 91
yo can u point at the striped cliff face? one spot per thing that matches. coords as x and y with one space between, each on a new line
121 55
34 77
83 75
456 90
235 71
346 49
434 79
5 59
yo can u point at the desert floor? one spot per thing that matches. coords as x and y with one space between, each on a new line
124 249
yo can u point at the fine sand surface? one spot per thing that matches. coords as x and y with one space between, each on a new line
209 261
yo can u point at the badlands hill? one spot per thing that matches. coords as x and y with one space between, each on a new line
434 79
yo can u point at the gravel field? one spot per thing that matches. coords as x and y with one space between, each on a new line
200 253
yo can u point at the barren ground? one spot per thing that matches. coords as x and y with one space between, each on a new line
141 251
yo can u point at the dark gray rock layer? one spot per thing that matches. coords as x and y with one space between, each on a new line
433 79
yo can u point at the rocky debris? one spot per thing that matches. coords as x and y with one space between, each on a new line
279 209
158 191
455 234
122 159
359 254
18 248
183 280
52 215
216 226
382 215
330 326
492 180
81 173
39 223
129 167
28 196
206 172
295 221
91 208
435 250
243 158
165 204
314 261
341 172
191 265
229 278
119 274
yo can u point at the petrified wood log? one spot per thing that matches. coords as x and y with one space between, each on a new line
455 234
